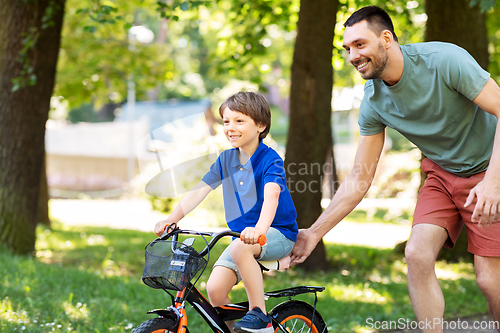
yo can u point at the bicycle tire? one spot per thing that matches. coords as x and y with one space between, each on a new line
157 325
295 317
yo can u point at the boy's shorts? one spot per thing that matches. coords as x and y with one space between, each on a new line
276 247
441 202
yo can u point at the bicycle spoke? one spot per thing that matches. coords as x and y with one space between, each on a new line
294 329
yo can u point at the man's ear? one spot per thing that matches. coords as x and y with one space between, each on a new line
387 39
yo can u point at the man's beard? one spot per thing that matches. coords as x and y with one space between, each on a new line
378 64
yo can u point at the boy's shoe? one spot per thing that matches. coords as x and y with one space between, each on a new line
255 321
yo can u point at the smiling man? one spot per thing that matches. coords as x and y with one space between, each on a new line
438 97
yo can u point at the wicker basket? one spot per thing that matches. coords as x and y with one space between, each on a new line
171 265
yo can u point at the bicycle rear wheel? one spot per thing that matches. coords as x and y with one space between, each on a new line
157 325
297 317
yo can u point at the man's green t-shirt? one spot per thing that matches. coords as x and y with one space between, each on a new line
432 106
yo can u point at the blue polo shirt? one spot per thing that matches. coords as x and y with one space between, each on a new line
243 189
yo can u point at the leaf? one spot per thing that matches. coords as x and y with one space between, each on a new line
484 5
89 28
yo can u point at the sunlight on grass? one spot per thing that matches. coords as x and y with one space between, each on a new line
356 293
7 312
75 312
455 271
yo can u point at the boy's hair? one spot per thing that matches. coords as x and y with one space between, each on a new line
252 104
378 20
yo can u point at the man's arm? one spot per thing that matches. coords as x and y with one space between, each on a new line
487 191
350 193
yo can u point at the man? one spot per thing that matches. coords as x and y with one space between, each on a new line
440 99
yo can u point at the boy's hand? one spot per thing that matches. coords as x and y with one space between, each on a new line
250 235
160 227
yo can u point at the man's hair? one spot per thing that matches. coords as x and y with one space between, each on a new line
252 104
378 20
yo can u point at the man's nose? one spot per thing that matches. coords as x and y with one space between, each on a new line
353 55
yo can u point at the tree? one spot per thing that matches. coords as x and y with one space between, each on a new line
29 46
310 134
457 22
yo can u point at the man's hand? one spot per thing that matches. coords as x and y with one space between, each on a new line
306 242
487 209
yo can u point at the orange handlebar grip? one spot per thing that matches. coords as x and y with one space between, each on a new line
261 241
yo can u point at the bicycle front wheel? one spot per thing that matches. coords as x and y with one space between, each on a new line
157 325
297 317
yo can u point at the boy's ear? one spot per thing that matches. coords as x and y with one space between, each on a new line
261 128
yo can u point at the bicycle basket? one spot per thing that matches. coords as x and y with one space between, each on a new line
171 265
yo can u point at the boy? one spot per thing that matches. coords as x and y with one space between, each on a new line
257 202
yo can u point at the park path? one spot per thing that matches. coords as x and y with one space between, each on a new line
136 214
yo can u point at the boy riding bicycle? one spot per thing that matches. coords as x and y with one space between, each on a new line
256 201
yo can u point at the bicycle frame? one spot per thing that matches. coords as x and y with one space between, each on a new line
216 317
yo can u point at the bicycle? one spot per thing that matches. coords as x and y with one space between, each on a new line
172 265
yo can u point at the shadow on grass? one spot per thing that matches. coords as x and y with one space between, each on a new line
87 279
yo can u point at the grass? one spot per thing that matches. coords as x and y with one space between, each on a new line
87 279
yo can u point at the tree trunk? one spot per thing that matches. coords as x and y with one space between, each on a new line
43 197
309 134
456 22
24 112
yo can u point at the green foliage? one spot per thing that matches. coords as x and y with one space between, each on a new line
99 13
493 25
206 46
172 9
97 59
256 39
485 5
247 34
163 205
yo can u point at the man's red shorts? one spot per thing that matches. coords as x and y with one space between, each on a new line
441 202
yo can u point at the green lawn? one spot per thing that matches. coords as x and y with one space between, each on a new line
87 279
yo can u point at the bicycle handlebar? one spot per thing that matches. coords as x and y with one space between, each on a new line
216 236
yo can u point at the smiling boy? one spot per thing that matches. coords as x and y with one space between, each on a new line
256 202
